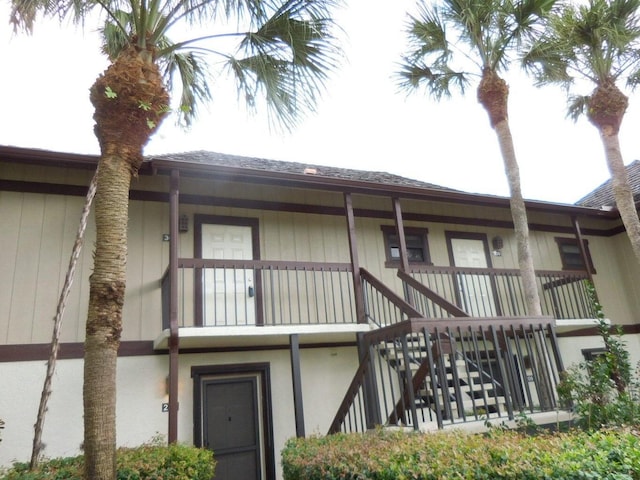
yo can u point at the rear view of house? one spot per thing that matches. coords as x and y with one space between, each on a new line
272 299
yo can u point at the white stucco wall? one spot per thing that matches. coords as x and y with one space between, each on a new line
326 374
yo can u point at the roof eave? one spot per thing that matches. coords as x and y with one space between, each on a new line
162 166
151 165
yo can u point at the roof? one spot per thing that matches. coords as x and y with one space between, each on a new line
293 174
206 158
603 195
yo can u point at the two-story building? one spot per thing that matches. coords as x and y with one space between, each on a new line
271 299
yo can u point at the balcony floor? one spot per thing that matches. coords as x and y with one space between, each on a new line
264 336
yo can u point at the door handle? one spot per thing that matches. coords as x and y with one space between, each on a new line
251 291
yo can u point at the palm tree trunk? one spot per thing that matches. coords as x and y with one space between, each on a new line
621 187
57 324
519 215
104 319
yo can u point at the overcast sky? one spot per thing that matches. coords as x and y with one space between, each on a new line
362 121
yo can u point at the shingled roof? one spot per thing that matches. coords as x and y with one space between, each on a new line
202 157
603 195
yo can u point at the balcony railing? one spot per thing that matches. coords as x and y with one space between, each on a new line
260 292
486 292
256 292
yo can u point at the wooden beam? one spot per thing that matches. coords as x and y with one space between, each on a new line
173 307
355 264
298 407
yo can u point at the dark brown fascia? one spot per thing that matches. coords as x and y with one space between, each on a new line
367 188
164 167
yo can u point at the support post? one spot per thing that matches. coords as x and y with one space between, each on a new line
173 307
402 241
294 343
581 247
355 264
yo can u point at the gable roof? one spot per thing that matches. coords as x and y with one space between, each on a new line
603 195
206 158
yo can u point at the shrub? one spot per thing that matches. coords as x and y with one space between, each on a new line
603 391
147 462
507 455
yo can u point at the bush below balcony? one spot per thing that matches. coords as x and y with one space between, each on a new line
385 455
174 462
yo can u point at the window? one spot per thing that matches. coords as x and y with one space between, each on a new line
417 246
570 254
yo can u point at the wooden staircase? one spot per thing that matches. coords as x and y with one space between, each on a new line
465 388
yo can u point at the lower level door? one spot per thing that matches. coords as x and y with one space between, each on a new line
232 426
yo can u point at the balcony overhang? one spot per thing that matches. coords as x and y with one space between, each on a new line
261 336
572 324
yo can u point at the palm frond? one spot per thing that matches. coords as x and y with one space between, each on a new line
286 60
578 105
439 80
194 75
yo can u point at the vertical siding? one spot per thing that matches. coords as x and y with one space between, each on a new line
11 213
35 259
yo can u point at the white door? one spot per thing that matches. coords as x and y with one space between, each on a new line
228 295
475 290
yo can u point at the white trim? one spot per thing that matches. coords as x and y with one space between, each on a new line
199 337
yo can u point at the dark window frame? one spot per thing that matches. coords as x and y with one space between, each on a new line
416 237
573 242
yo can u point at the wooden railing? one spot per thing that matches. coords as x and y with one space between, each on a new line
420 372
486 292
260 292
257 292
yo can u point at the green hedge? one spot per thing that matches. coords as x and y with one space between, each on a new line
148 462
384 455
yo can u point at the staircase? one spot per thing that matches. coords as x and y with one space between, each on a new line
464 387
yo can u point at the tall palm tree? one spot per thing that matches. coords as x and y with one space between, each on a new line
454 41
279 50
597 42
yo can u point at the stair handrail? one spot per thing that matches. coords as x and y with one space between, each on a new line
352 391
442 302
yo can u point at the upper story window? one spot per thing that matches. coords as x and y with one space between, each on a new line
571 256
417 245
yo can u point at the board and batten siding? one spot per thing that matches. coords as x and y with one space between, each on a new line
35 258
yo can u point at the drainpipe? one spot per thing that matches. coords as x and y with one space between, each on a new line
173 307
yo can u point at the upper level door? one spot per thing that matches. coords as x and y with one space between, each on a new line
475 289
229 294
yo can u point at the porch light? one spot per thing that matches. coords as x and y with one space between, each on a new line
497 243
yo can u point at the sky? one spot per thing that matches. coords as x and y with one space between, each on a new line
362 120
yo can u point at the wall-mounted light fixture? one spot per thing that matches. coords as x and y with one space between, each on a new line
497 243
183 223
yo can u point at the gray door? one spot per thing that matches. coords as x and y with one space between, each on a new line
232 427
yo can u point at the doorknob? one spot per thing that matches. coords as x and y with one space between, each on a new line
251 291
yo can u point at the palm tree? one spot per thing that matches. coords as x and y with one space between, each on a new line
598 43
36 450
457 40
279 50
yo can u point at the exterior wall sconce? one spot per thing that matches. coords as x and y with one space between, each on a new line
497 243
183 223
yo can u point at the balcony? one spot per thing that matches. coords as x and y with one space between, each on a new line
246 293
243 302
